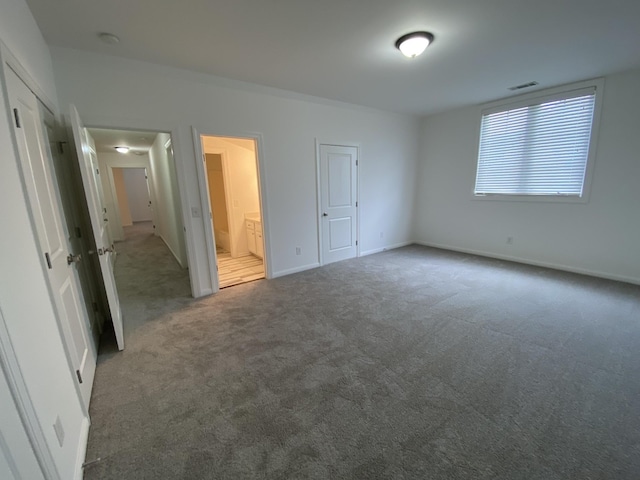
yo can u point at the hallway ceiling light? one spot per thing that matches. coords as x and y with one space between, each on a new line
413 44
122 149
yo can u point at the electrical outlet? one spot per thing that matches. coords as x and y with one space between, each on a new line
298 251
509 240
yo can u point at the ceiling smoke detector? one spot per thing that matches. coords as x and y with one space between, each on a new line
109 38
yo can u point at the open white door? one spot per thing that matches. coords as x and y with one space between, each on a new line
98 213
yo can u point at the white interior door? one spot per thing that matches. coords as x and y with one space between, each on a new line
338 202
53 239
97 211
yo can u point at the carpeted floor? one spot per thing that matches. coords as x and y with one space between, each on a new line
414 363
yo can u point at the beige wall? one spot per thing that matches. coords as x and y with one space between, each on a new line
123 200
217 192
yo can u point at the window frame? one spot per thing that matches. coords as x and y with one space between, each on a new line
534 98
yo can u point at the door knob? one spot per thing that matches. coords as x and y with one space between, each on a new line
73 258
325 214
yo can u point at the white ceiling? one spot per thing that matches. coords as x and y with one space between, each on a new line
107 140
344 49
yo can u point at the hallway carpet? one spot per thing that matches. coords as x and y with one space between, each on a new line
414 363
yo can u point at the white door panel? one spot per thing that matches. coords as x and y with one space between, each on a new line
90 173
340 235
338 202
39 181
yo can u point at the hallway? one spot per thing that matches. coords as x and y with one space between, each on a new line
149 280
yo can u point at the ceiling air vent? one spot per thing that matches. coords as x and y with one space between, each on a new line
524 85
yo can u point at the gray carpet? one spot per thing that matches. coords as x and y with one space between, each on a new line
414 363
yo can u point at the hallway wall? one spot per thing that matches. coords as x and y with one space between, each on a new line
168 211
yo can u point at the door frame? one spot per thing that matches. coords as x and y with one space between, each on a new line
357 146
227 199
197 289
205 204
9 360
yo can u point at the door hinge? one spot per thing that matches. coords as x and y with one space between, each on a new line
61 147
78 232
79 376
356 204
356 243
356 163
97 172
16 115
204 158
48 258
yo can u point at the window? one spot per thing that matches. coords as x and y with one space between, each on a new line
537 147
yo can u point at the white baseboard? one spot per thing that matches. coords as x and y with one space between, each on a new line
82 449
171 250
527 261
282 273
382 249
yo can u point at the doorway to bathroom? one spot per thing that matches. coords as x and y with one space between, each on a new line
232 177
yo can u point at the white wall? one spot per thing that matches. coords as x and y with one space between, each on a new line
24 299
17 460
168 213
241 177
20 33
137 194
112 92
599 237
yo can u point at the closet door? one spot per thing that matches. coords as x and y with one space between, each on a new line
58 261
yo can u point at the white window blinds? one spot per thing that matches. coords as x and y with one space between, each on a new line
536 149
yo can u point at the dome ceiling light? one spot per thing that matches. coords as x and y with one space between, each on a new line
122 149
413 44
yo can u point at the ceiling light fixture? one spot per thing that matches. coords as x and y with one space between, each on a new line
122 149
413 44
109 38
